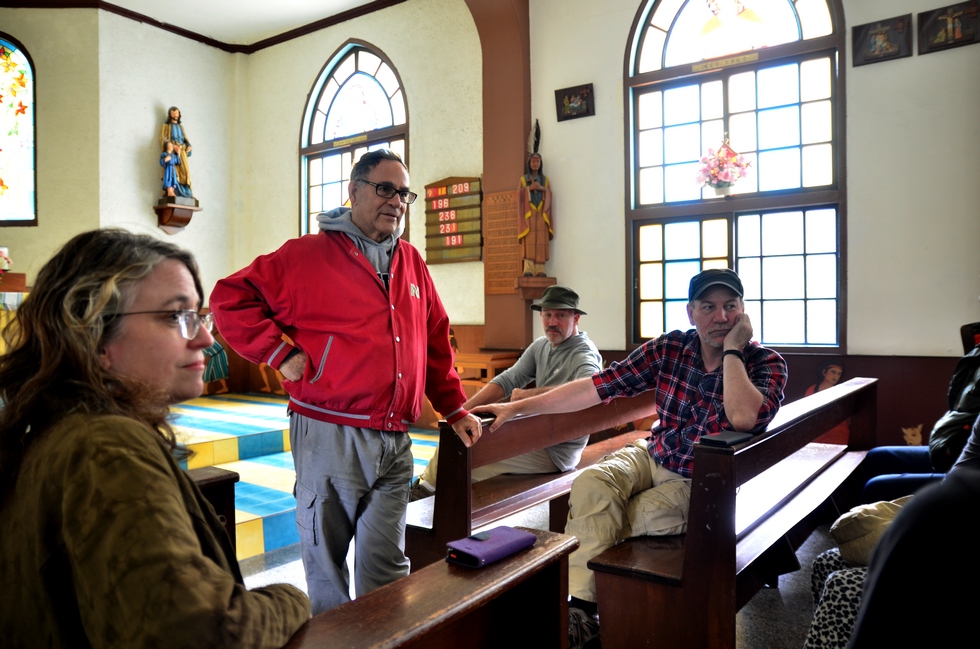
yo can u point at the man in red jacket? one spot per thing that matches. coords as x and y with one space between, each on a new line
351 318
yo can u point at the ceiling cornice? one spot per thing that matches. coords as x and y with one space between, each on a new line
315 26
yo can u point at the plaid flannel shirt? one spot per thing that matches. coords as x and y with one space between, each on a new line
689 400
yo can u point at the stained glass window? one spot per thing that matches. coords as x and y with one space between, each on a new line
17 169
357 106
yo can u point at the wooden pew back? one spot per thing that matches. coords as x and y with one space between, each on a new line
751 507
459 506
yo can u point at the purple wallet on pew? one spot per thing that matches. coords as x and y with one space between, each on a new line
484 548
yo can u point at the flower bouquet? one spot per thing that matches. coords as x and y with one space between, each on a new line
720 169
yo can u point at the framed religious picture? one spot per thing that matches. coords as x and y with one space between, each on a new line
952 26
578 101
882 40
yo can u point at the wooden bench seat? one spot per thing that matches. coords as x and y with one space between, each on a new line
504 495
449 606
460 506
752 506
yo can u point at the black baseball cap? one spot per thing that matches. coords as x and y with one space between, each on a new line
714 277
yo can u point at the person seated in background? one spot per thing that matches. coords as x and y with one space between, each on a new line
895 471
561 355
106 541
828 376
839 575
927 552
892 474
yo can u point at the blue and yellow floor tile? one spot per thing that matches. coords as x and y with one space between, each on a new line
249 434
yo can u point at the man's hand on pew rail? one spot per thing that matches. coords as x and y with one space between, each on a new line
570 397
497 412
468 430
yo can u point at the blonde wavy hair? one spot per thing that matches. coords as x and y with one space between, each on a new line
52 366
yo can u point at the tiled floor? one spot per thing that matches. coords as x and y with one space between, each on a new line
249 434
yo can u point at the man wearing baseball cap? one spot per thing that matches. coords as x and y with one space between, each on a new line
707 379
561 355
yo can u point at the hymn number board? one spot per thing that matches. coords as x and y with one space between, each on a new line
453 221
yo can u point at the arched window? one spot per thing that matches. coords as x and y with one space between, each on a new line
357 105
18 205
763 76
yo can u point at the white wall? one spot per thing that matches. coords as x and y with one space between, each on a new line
913 224
435 48
144 71
67 146
913 271
574 42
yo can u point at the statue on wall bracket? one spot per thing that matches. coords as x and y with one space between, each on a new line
178 204
535 217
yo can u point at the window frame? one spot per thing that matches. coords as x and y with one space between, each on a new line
635 215
365 139
731 218
34 96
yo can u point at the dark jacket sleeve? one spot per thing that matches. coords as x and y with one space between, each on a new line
140 577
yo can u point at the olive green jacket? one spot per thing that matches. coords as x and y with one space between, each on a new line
107 543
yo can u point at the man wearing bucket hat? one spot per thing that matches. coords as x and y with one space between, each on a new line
561 355
708 379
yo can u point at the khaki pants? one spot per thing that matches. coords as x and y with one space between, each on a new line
626 494
534 462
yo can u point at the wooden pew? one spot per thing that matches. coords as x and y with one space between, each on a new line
460 506
524 596
218 486
752 506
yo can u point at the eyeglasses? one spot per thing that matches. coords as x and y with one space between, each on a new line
189 322
387 191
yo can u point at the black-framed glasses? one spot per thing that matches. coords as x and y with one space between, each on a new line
387 191
189 322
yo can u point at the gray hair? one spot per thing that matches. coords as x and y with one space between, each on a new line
372 159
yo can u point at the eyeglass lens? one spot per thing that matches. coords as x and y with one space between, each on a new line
387 191
192 321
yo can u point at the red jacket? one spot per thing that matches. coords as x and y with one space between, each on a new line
372 353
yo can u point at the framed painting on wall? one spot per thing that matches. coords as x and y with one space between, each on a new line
882 40
952 26
577 101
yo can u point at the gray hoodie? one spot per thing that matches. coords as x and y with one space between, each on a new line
379 254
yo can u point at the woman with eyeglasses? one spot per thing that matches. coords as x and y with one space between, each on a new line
106 542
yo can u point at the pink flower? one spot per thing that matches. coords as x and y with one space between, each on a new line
722 167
